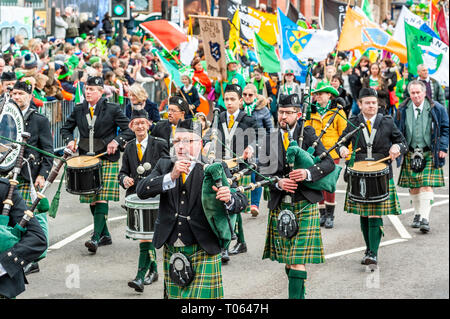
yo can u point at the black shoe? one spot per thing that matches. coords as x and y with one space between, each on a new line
137 284
31 268
424 226
105 241
225 257
238 248
151 278
323 216
416 221
91 245
329 222
366 255
371 259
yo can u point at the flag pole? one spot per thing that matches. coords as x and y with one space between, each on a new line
322 18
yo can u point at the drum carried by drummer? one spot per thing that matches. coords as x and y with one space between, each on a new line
371 189
139 159
97 121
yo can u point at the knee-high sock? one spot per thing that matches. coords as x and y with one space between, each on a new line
297 284
104 208
415 203
364 221
101 212
375 233
92 208
144 260
152 256
240 229
426 199
286 269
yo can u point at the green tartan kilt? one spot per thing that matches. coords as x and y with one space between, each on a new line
207 283
430 176
305 247
110 190
244 181
25 191
391 206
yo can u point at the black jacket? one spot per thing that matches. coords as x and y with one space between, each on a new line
274 145
156 148
387 134
31 245
41 137
169 207
109 118
240 140
163 129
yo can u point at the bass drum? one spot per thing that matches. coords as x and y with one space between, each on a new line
11 126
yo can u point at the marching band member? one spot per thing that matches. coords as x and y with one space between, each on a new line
182 227
31 245
237 133
177 110
425 125
380 138
98 121
321 113
143 150
41 137
305 246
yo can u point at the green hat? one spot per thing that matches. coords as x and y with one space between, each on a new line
345 67
68 73
94 59
325 87
79 39
73 61
230 57
289 71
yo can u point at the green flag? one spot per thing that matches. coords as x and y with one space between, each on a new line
173 71
79 97
266 55
414 39
367 9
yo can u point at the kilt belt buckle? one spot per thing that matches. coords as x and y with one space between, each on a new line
180 269
418 161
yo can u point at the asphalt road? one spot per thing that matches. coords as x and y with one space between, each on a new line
411 265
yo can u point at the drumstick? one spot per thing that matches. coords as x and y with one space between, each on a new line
379 161
96 156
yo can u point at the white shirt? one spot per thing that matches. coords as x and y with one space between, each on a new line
372 120
143 144
416 108
235 116
25 111
168 183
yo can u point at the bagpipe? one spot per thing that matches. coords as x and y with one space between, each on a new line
13 132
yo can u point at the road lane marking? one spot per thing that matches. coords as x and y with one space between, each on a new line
354 250
401 230
79 233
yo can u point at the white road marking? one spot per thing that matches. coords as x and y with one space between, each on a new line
399 227
354 250
78 234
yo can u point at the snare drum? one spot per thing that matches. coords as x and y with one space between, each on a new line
84 175
368 184
142 214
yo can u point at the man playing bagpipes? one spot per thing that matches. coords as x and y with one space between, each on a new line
35 170
192 260
31 245
379 139
324 117
139 158
237 135
293 232
98 122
